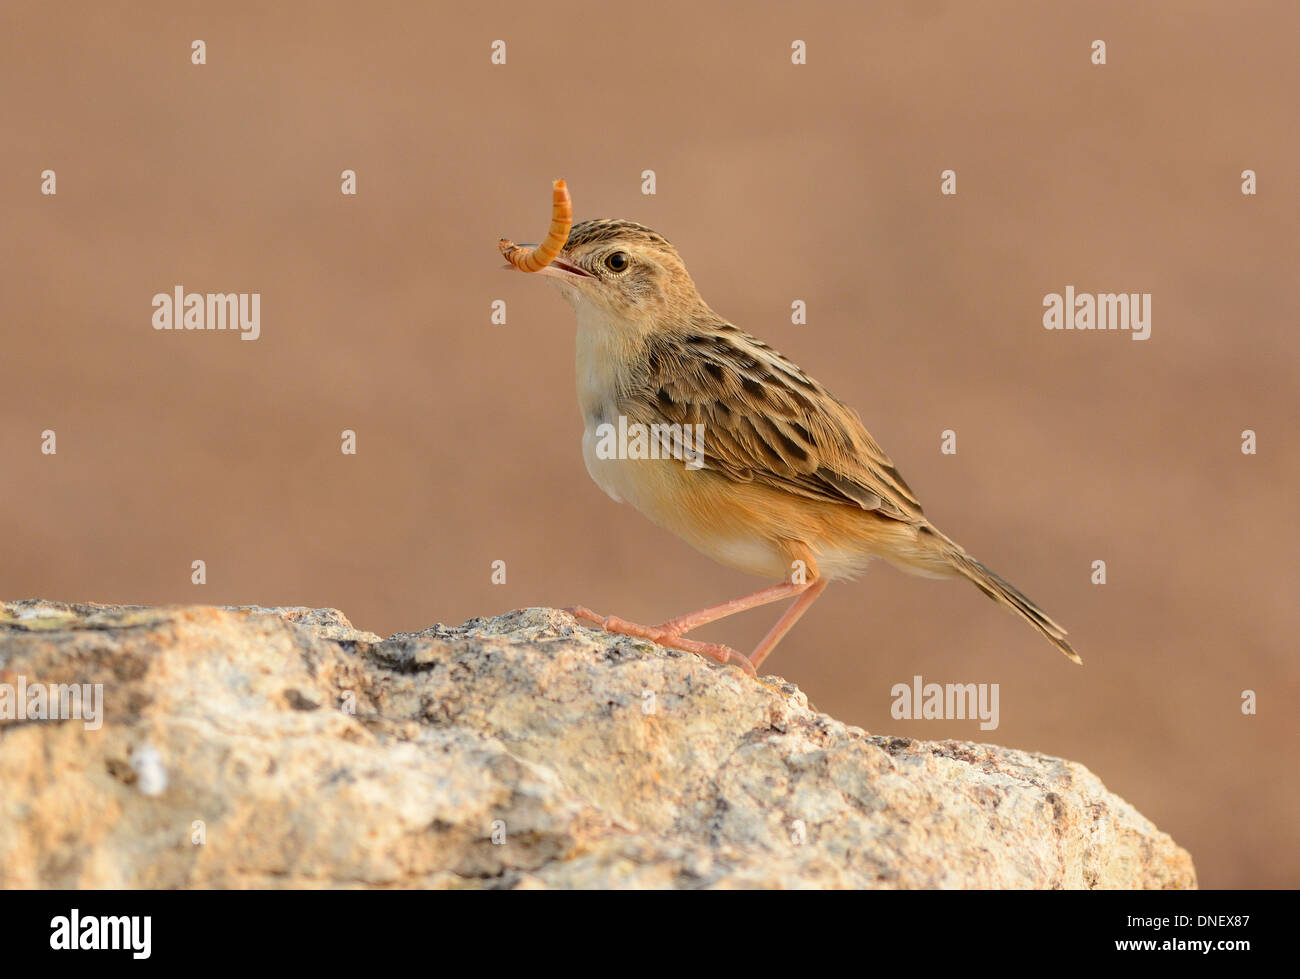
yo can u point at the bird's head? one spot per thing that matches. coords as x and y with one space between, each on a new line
625 271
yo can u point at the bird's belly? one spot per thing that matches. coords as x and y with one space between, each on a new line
653 486
747 526
688 502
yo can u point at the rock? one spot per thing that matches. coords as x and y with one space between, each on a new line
256 747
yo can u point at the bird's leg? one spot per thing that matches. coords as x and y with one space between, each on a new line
786 622
764 596
612 623
670 632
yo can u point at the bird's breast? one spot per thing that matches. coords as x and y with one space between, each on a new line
600 368
632 467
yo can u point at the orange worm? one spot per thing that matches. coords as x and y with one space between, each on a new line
535 259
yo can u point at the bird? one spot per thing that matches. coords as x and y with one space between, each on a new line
784 481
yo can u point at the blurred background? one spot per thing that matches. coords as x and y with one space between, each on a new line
776 182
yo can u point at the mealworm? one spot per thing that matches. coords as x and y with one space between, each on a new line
535 259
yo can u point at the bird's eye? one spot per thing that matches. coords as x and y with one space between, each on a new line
617 261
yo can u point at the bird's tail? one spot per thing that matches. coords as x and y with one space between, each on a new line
1006 594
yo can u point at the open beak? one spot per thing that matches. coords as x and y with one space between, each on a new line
558 269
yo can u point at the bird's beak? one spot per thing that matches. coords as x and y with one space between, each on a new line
565 270
561 268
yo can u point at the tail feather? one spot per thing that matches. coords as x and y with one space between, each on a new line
1006 594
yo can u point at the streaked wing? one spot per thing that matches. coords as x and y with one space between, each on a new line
764 420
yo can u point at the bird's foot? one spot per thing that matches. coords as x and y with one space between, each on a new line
665 635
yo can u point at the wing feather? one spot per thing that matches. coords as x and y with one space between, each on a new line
764 420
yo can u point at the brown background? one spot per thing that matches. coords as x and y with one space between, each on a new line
776 182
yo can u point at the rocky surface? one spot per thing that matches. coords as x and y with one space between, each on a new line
284 748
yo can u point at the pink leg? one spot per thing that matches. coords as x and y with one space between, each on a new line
786 622
657 633
670 632
764 596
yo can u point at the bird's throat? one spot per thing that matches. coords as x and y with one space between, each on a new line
604 348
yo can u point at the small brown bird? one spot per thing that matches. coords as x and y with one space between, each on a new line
742 454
